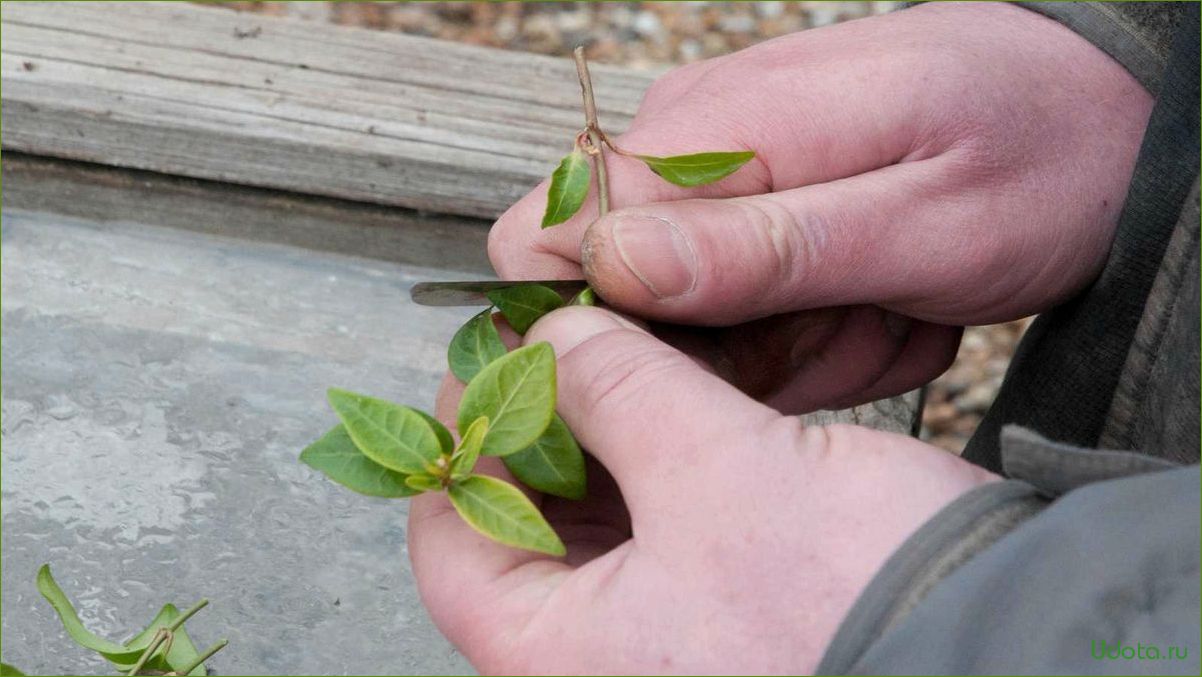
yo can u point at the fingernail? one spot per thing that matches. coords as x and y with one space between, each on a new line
898 326
569 327
658 253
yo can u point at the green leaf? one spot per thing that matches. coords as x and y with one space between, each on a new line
517 394
142 640
586 297
502 512
553 465
74 627
423 482
475 345
394 436
336 456
697 169
181 654
569 187
524 303
6 670
445 442
469 448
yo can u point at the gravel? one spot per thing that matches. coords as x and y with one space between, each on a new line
634 34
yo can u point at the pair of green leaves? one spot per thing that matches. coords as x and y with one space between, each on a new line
181 654
570 180
386 449
477 342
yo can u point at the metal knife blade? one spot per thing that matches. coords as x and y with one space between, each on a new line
473 292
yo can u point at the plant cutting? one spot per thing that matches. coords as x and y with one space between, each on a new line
162 648
388 450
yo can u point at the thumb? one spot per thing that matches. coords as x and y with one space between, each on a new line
645 410
868 239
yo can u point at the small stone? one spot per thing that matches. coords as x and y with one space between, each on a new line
506 28
737 23
996 366
540 32
648 25
577 20
606 50
683 24
823 16
937 415
620 16
977 398
769 10
689 50
956 380
965 425
714 44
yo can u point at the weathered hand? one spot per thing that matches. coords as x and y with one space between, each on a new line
734 539
940 166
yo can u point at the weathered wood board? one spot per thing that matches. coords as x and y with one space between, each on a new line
107 194
282 103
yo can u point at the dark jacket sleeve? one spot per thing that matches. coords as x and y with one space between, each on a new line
1138 35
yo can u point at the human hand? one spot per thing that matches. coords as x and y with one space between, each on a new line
940 166
724 538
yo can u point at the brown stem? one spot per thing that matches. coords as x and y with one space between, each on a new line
594 131
614 147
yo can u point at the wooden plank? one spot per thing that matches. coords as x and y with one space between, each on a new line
106 195
311 108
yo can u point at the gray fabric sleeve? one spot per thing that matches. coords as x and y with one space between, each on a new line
1055 468
1105 580
1138 35
965 527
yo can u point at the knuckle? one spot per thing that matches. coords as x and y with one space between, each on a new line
812 441
626 371
495 245
777 230
499 245
788 246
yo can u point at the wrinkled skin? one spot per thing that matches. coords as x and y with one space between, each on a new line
916 172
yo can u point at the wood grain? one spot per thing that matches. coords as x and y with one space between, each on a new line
311 108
